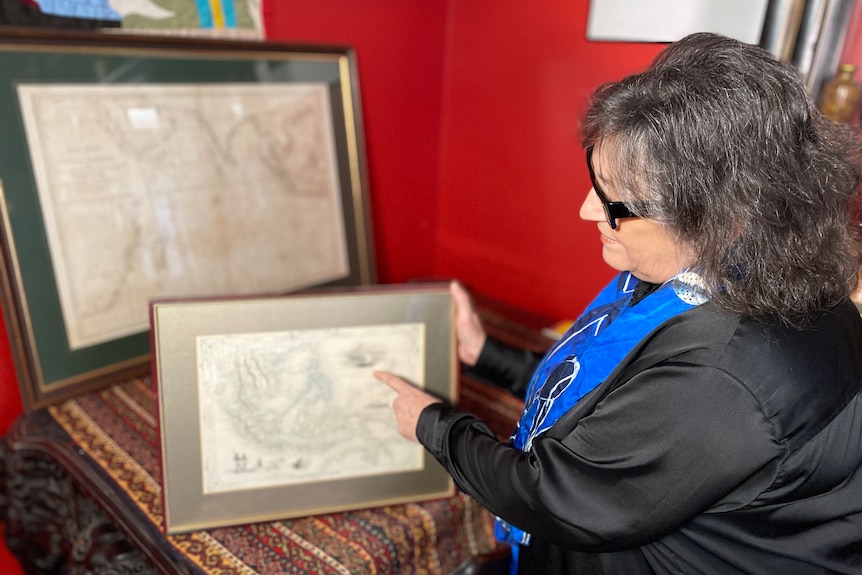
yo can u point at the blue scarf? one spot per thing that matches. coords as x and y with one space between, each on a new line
587 353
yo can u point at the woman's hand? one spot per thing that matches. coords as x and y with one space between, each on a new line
469 332
408 404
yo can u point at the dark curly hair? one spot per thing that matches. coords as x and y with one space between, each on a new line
720 142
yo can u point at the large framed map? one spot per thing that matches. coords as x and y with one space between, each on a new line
139 167
268 408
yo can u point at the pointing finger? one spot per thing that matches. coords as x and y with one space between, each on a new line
392 381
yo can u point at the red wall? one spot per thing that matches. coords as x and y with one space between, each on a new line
852 52
475 168
513 174
10 397
400 53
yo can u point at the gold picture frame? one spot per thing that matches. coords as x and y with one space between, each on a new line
268 409
137 167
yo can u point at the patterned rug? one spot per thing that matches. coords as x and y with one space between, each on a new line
117 428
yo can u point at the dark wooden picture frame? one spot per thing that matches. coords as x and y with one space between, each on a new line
49 369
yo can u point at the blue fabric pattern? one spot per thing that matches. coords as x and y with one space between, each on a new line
94 9
583 357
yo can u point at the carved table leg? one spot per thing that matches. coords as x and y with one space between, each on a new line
38 512
53 528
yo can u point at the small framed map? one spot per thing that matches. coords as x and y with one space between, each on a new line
144 167
268 408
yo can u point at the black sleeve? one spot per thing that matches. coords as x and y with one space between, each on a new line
671 442
505 366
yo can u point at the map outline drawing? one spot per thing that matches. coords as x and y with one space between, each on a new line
297 406
183 190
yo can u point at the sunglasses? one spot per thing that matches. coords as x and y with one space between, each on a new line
613 210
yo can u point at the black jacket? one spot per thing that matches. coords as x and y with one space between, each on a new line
718 445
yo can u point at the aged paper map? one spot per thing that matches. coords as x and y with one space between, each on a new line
182 190
289 407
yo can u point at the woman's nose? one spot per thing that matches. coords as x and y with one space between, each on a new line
591 208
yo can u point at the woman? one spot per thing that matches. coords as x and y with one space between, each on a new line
704 415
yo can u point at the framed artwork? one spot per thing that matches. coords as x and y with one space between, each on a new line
144 167
212 18
670 20
268 408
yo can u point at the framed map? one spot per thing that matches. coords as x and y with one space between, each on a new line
144 167
268 408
